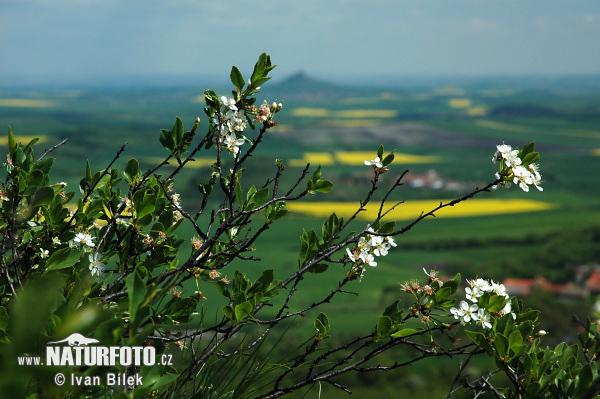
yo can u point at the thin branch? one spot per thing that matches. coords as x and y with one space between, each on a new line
52 149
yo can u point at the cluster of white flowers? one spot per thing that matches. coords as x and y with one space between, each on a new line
266 111
231 123
84 239
177 215
467 312
370 246
523 176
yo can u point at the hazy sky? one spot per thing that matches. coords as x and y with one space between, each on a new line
81 38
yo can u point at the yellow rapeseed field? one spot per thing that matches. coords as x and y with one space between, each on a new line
366 113
345 114
310 112
27 103
412 209
26 139
314 158
477 111
359 157
355 158
459 102
353 122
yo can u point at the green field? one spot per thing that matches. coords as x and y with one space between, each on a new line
456 125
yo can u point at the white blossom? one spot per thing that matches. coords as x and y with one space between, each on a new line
96 267
368 258
465 312
44 253
353 257
374 162
484 318
84 239
232 143
229 103
523 177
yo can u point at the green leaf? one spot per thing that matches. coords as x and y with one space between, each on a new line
322 186
501 345
496 303
404 333
515 340
330 227
275 211
131 170
88 172
222 287
380 151
262 283
260 81
240 283
321 326
452 284
531 315
266 278
260 68
228 311
136 292
145 205
316 175
177 131
273 290
166 139
250 195
384 325
442 294
44 165
243 310
308 246
260 197
11 142
387 228
585 379
19 157
322 317
239 195
528 148
62 258
530 158
388 159
236 78
42 196
3 318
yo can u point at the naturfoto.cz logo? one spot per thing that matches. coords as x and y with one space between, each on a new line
80 351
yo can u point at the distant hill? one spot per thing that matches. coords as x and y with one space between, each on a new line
302 86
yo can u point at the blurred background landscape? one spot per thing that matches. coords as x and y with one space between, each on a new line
440 100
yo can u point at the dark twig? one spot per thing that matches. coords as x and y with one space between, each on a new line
52 149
